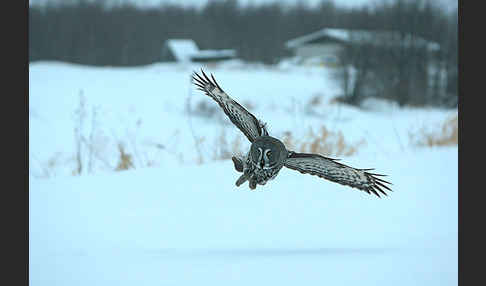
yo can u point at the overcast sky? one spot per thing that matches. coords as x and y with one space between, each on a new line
448 4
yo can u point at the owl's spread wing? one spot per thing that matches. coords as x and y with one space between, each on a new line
329 169
242 118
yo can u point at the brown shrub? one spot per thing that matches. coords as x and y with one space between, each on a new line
447 134
315 100
340 99
327 143
125 161
223 150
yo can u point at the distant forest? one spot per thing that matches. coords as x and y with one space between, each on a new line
107 33
117 33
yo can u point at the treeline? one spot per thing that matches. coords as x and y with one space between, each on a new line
95 33
118 33
401 66
103 33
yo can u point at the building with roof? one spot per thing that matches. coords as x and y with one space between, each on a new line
186 50
324 46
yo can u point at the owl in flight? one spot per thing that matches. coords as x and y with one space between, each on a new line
267 155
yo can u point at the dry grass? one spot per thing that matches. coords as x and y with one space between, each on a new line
93 150
224 150
125 160
447 134
198 142
327 143
315 100
205 108
340 99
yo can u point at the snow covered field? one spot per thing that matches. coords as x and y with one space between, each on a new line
171 221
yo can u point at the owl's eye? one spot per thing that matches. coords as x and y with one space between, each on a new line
269 153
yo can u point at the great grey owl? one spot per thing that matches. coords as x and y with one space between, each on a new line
267 155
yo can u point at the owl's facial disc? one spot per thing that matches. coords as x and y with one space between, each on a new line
263 158
264 161
260 158
266 158
267 154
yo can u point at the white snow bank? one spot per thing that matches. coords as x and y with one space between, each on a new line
191 226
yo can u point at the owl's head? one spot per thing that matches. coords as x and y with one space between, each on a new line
267 152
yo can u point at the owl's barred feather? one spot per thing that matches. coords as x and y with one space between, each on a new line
268 155
328 168
242 118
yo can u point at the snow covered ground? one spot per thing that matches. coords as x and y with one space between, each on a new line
171 221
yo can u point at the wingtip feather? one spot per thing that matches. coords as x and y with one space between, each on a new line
215 82
374 192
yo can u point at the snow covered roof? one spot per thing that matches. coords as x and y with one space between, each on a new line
185 50
182 49
349 36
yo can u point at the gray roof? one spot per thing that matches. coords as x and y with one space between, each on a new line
358 36
214 54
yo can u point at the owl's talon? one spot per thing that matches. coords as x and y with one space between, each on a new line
241 180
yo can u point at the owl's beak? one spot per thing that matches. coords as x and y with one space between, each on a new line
262 163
